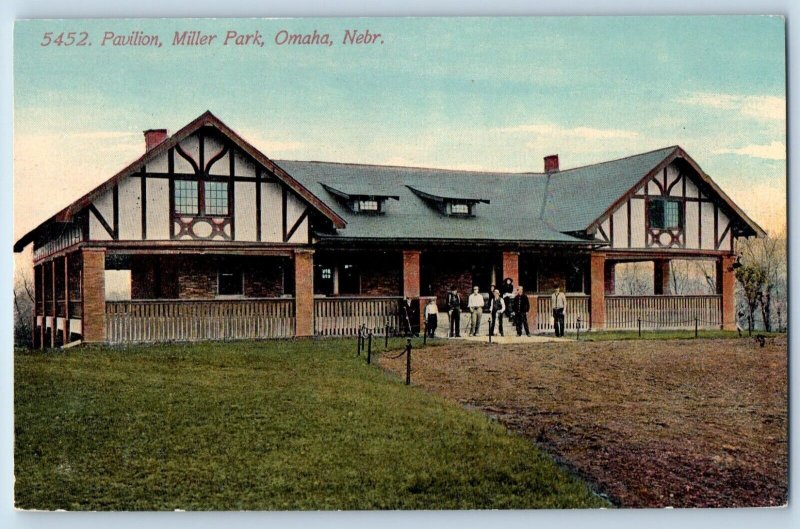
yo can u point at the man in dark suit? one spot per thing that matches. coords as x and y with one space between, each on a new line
521 306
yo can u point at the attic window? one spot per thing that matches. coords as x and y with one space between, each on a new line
459 208
368 205
664 214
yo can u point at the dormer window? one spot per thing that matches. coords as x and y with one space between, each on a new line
368 205
459 208
449 202
360 200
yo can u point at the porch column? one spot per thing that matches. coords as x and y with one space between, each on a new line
53 304
66 300
411 281
304 292
511 267
597 309
94 295
726 283
610 277
35 331
42 306
661 277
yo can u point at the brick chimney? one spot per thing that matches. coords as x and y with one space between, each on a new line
551 163
153 137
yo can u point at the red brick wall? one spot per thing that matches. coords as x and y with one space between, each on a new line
726 283
598 291
381 275
190 277
304 292
94 295
411 264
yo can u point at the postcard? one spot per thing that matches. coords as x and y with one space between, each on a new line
400 263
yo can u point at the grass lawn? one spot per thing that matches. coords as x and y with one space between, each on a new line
294 424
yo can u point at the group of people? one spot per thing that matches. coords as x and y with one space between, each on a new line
504 302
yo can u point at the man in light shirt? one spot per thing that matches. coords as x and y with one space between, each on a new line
475 305
431 317
559 303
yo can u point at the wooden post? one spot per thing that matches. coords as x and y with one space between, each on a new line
726 283
93 294
661 277
610 278
304 292
66 299
597 308
53 309
34 330
44 310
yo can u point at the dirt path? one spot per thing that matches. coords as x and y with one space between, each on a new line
687 423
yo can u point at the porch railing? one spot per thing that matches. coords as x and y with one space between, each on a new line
196 320
663 312
577 307
344 316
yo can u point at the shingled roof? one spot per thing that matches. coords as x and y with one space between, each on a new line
511 216
523 207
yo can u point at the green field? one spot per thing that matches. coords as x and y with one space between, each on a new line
295 424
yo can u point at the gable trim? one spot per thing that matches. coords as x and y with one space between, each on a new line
677 152
170 145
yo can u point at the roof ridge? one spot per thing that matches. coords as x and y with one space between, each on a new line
415 167
482 171
670 148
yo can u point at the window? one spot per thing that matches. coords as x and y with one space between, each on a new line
664 214
186 199
368 205
326 273
193 199
216 199
230 284
459 209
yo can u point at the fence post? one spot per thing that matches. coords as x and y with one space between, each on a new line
749 325
358 343
578 329
369 348
408 362
695 326
386 338
425 335
639 321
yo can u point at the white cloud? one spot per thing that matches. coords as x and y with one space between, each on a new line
766 108
553 131
269 146
774 151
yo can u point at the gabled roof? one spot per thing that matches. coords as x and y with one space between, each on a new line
205 119
524 207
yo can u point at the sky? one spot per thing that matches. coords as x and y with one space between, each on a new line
473 93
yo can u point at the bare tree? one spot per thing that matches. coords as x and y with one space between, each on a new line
768 256
634 279
23 311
